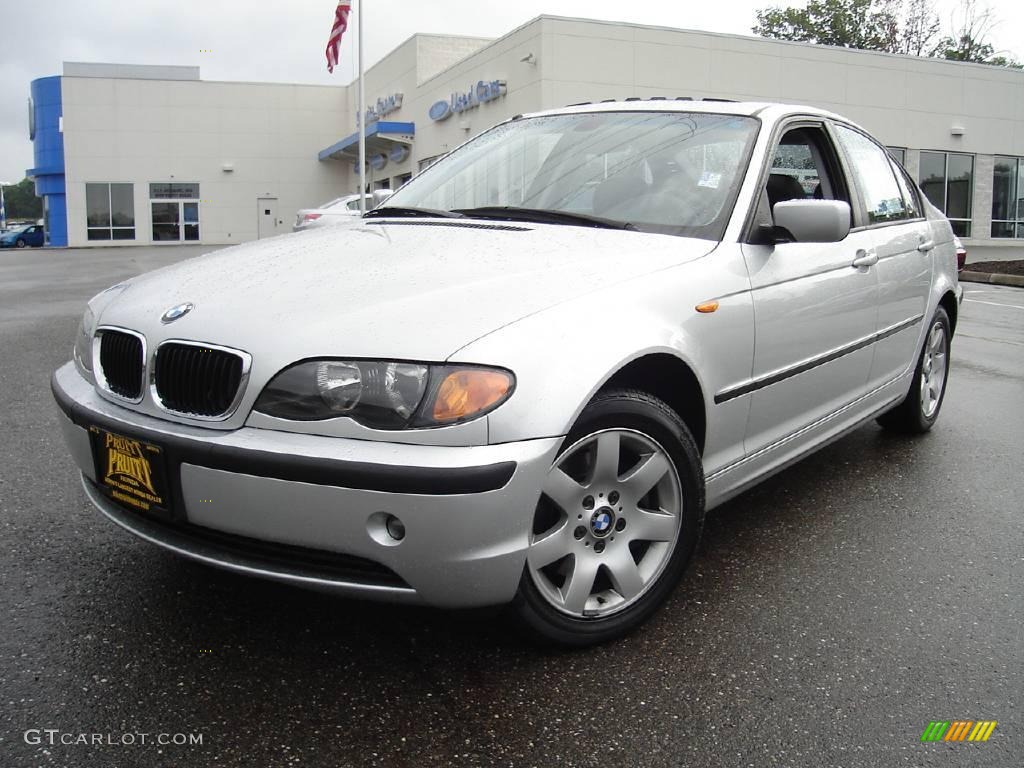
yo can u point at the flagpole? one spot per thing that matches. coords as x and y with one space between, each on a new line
361 117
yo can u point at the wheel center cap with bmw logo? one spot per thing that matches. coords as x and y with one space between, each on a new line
177 312
602 522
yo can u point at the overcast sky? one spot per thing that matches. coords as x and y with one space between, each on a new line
263 40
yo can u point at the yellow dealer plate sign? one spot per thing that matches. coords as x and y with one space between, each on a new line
130 471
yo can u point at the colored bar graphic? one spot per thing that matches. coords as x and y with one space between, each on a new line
959 730
983 730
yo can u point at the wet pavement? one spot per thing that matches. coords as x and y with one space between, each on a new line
830 614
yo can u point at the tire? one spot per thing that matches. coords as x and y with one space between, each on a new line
20 243
657 529
919 410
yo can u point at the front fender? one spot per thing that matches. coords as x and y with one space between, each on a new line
564 355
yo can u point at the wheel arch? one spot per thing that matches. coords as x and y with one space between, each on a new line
671 379
949 303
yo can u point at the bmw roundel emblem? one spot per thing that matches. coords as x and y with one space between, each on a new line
601 522
177 312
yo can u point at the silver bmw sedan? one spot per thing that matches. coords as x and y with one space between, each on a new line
526 378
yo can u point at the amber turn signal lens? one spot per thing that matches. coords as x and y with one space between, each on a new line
467 392
707 307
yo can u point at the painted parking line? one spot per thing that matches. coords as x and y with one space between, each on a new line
993 303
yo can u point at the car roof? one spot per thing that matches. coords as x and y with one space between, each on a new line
769 111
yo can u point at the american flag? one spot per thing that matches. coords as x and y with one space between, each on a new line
340 25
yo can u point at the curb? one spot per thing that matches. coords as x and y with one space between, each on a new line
1015 281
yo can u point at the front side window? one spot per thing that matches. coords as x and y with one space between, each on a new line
947 179
873 171
668 172
1008 197
110 211
800 169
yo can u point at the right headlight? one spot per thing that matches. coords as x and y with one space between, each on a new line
82 351
83 340
385 394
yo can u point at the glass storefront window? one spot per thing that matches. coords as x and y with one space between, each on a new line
947 179
899 154
110 211
1008 197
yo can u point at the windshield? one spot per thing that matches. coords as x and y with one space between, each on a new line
669 172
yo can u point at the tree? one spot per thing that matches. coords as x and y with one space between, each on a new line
972 25
896 26
21 202
917 31
845 23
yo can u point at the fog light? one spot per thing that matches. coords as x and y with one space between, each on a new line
395 528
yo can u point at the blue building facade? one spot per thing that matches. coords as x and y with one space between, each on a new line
45 130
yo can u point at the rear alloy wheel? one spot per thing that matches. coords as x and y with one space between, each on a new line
617 522
920 409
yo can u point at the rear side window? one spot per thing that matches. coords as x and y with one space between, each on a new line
876 181
910 198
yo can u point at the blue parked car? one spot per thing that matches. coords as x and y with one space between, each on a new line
31 234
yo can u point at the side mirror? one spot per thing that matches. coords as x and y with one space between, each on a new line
379 196
813 221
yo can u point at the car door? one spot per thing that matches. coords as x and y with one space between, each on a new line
35 237
896 223
815 309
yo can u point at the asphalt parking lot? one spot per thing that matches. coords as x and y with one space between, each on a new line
831 613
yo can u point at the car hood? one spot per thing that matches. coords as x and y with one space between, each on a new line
409 289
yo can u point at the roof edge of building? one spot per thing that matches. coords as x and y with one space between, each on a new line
757 38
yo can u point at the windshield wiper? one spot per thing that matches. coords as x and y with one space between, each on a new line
542 216
397 212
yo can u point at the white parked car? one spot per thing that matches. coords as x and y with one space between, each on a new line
338 210
527 377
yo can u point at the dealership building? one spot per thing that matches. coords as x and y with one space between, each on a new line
128 154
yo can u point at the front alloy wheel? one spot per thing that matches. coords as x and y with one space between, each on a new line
608 533
617 522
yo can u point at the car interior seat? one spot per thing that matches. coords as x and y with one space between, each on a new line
784 187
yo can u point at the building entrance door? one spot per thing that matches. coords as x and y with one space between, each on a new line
267 216
175 220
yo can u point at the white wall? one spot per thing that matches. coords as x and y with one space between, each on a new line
903 100
142 131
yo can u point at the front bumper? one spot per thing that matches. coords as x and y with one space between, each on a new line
305 509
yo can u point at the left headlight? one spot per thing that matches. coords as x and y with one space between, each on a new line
384 394
83 340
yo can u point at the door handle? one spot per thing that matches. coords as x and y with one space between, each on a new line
926 245
865 259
